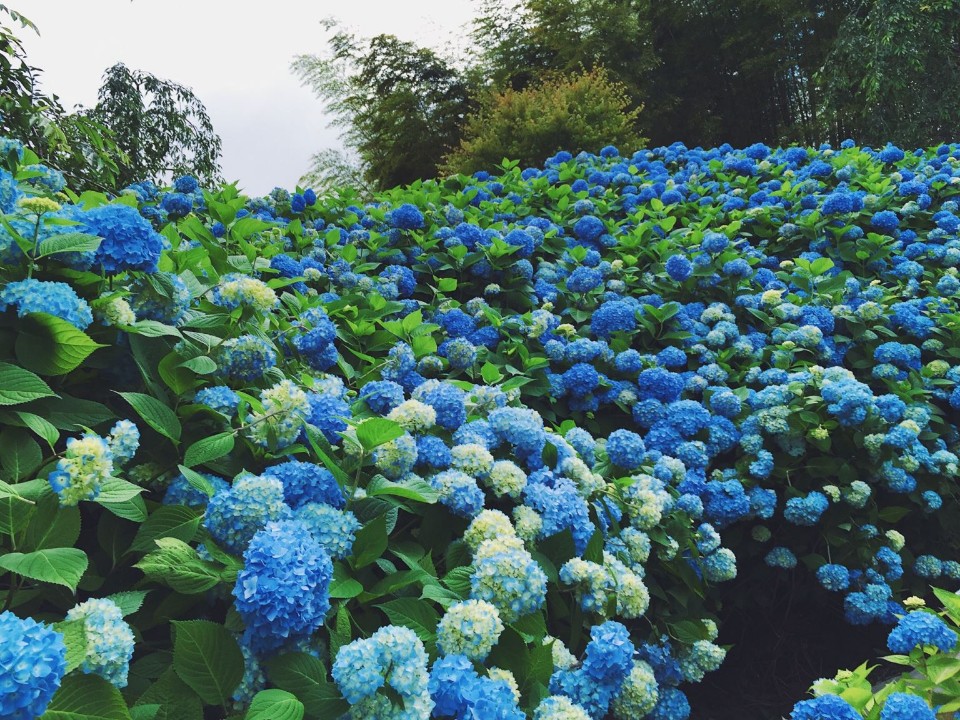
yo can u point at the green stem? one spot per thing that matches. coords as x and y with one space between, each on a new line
36 248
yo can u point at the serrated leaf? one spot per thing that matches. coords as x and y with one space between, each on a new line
176 521
75 639
275 705
197 481
156 414
415 489
41 426
178 565
418 615
116 490
18 386
50 345
209 449
370 542
208 659
52 526
86 697
134 509
374 432
60 566
129 601
68 242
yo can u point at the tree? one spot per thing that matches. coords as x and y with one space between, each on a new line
894 73
518 42
162 127
83 149
584 111
401 106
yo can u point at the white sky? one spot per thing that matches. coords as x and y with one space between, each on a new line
234 54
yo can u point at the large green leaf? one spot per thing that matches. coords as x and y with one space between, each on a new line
376 431
18 386
209 449
75 639
305 676
86 697
60 566
418 615
68 242
157 415
50 345
178 565
176 521
275 705
370 543
208 659
52 526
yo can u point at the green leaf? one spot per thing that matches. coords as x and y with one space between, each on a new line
275 705
343 586
209 449
418 615
156 414
114 490
152 328
178 565
134 509
376 431
370 543
129 601
52 526
41 426
208 659
60 566
175 698
86 697
18 386
176 521
202 365
50 345
951 602
68 242
20 454
197 481
306 677
415 489
75 639
70 413
491 373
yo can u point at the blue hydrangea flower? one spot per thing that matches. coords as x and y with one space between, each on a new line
918 628
305 482
825 707
33 660
129 242
902 706
282 593
110 640
220 398
41 296
334 529
163 297
245 358
626 449
236 514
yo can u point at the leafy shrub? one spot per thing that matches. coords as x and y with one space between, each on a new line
483 447
584 111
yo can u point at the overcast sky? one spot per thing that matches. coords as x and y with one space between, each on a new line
235 54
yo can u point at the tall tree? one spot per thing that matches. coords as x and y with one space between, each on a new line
401 106
162 127
894 73
83 149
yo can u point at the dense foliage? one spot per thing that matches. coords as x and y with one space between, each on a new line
142 127
571 113
744 71
485 447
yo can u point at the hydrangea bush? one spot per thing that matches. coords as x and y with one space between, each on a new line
480 447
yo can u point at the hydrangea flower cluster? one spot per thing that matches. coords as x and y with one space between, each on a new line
33 660
110 641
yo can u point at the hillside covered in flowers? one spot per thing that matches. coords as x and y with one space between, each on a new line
498 446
